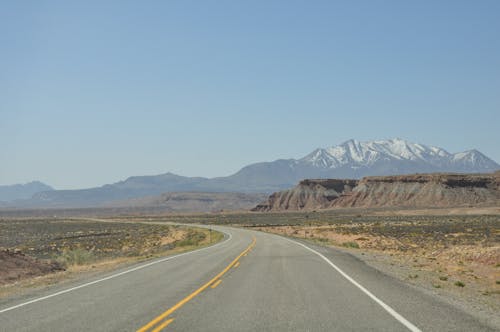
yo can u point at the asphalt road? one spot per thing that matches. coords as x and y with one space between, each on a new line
250 282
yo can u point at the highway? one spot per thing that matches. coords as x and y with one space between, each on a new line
251 281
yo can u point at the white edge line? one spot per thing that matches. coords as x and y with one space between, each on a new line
115 275
386 307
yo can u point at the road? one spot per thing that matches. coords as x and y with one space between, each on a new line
250 282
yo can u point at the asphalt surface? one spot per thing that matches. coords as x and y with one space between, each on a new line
276 285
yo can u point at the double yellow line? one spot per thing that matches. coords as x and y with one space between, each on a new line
188 298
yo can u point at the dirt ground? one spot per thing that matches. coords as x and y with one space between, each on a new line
16 266
50 249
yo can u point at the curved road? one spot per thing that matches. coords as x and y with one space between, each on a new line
250 282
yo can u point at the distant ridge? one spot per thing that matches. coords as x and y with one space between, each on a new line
22 191
352 159
192 202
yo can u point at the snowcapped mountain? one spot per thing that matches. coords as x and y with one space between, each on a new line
472 159
354 159
349 160
355 155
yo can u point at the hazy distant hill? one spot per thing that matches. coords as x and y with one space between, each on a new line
351 159
22 191
133 187
193 202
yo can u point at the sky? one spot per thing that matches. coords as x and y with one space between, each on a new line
92 92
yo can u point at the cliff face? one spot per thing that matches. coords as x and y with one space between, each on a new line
308 194
419 190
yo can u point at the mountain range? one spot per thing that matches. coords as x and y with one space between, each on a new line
351 159
22 191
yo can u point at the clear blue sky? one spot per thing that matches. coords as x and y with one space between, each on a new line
95 91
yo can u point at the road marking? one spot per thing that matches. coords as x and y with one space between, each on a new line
386 307
196 292
115 275
216 283
164 325
237 264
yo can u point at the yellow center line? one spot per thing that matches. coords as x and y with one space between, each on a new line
195 293
164 325
237 264
217 283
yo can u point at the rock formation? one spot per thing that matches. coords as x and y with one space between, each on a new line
308 194
417 190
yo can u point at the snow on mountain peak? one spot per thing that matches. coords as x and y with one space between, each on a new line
474 158
355 154
467 155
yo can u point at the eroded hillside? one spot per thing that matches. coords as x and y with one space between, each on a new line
418 190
